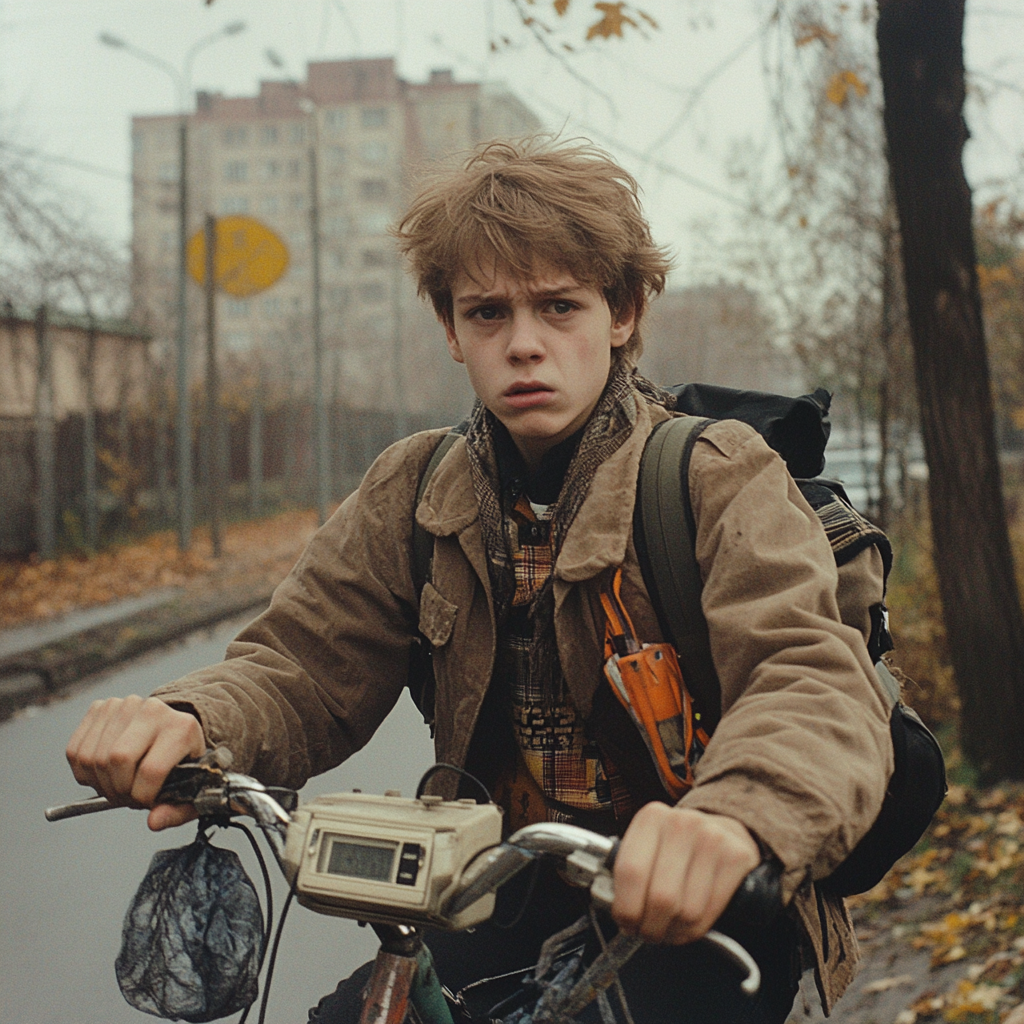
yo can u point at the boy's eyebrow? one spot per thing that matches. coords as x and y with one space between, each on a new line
542 293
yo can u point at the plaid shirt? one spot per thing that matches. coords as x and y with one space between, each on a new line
561 775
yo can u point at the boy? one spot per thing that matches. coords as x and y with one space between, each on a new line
539 263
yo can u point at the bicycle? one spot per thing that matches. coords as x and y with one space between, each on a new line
403 864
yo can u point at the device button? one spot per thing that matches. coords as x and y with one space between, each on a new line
409 863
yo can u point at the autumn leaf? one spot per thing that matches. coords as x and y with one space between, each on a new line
561 6
812 31
968 999
613 17
841 84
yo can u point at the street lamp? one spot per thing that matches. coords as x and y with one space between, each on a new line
182 85
320 438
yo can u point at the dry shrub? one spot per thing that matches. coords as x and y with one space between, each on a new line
922 651
915 610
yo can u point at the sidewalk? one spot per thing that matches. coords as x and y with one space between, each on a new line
66 619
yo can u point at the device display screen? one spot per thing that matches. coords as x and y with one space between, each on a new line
364 858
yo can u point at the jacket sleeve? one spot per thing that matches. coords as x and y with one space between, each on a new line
307 683
802 754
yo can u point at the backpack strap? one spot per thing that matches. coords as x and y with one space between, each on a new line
421 668
664 534
423 542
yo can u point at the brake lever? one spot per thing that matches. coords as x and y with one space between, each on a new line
183 784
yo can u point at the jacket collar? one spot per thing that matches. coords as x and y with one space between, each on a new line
449 503
600 533
601 530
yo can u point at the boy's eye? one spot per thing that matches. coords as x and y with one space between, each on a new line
487 313
561 306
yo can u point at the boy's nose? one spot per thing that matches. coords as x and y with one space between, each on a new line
524 343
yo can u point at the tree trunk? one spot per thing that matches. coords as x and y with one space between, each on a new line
921 57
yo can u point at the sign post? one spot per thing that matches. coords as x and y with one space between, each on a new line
242 257
212 455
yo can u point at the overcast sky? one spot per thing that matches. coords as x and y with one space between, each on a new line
670 103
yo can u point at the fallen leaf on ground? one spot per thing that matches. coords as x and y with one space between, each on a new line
884 984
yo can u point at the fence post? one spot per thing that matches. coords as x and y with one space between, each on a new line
46 508
89 440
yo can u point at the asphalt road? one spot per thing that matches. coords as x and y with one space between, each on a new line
66 886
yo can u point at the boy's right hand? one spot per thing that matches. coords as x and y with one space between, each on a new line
125 748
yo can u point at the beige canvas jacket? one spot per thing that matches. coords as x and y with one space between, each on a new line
802 754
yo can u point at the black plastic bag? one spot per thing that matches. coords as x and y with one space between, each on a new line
193 939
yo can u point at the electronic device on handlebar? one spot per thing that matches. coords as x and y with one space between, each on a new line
389 859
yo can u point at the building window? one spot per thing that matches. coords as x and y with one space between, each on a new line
235 135
338 298
373 188
236 307
336 191
273 305
269 135
167 239
234 204
272 170
374 117
269 204
297 201
236 170
375 258
334 120
296 134
335 157
371 292
294 169
167 172
373 152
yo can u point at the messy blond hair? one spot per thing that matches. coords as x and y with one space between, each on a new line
530 205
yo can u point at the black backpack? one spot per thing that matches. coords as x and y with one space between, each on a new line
664 535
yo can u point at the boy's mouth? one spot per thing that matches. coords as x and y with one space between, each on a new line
528 395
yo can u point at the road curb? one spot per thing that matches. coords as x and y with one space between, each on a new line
42 674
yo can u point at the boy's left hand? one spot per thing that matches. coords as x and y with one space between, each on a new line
676 871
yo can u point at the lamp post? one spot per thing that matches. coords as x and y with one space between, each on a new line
182 85
320 433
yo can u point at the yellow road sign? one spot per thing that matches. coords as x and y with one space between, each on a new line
250 256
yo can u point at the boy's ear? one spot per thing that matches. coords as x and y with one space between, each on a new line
454 349
623 325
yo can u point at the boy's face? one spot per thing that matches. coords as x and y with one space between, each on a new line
538 351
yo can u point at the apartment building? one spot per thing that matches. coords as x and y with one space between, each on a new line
370 133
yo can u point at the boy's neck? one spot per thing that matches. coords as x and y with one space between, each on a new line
542 480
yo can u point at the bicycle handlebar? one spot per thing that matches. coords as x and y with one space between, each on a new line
587 856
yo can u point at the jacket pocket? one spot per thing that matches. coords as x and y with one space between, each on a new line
437 616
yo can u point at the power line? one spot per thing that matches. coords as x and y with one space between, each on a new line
81 165
658 165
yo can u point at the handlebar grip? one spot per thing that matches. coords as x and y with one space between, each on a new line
756 903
